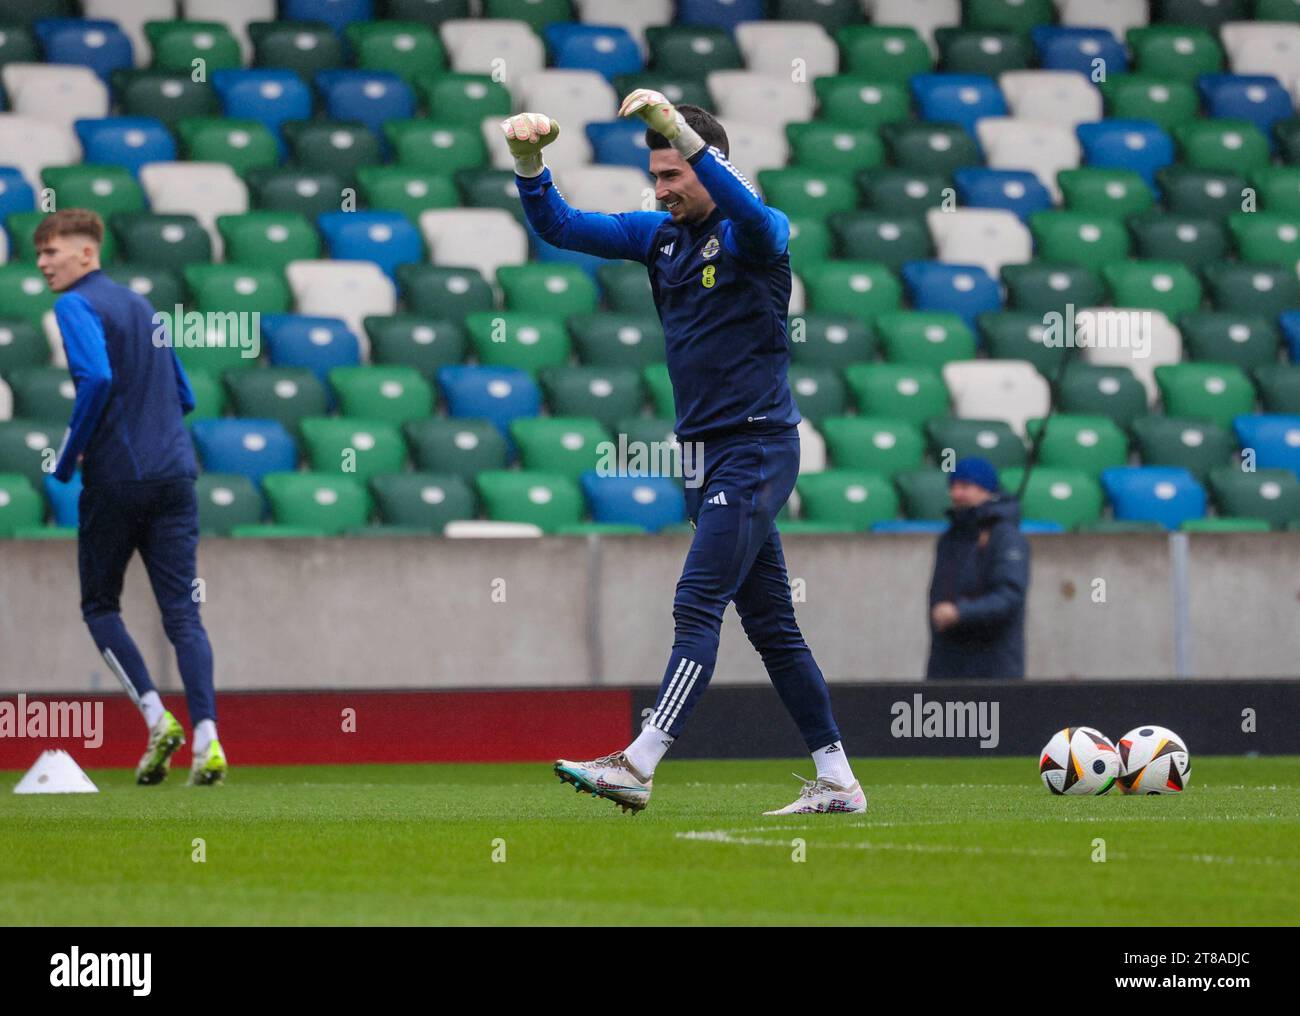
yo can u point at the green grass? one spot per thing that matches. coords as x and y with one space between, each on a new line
959 841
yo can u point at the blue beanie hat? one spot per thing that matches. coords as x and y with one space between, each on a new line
977 471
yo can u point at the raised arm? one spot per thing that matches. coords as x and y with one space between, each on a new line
87 352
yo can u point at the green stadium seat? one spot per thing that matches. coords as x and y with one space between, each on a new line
874 444
415 340
828 147
103 189
1194 241
1269 494
268 239
1279 388
553 289
830 340
356 448
878 236
660 387
677 88
547 500
449 294
275 531
1078 238
902 192
393 394
1201 193
209 395
329 502
858 101
304 192
809 243
1266 238
617 340
169 96
46 394
460 446
27 447
177 44
1205 391
328 146
425 501
1180 52
1258 289
18 44
813 193
625 286
883 52
537 13
1198 446
405 48
226 500
1006 15
1166 286
1088 444
988 51
464 99
490 188
647 430
1247 340
160 286
286 394
1113 392
1097 190
818 392
924 338
1222 144
856 288
20 504
1278 187
847 497
692 50
306 47
1041 286
607 394
240 144
930 147
897 391
1208 15
24 294
1166 101
22 344
244 288
1124 526
1019 335
1277 10
161 241
830 14
409 191
435 146
951 438
1068 497
518 339
568 445
923 493
1225 525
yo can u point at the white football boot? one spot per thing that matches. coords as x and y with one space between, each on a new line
821 795
611 777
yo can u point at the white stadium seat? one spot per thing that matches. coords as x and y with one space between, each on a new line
1118 16
4 247
1042 148
485 45
482 238
923 15
1065 97
1009 390
573 98
350 290
235 15
131 16
6 401
608 189
29 144
205 190
1276 54
812 452
634 15
773 47
738 94
57 93
798 299
988 237
1138 339
755 147
479 529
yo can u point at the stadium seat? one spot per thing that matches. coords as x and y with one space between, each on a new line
606 394
575 97
819 392
1269 494
248 447
304 47
1163 494
473 44
829 340
463 99
1077 238
268 96
269 239
100 46
27 447
161 241
1067 497
1180 51
1041 148
242 288
415 340
985 52
1223 145
22 344
494 393
1053 96
350 290
617 143
650 502
103 189
1139 340
206 190
957 98
1166 102
42 393
177 44
1274 438
338 14
1097 190
20 504
857 288
519 339
1166 286
387 239
308 193
848 497
608 50
1088 444
888 239
775 47
953 438
1212 194
924 338
1016 191
874 444
1008 390
625 286
329 502
1261 47
449 293
16 194
990 238
897 391
824 146
283 394
1198 446
547 500
31 144
1083 51
1205 391
481 238
358 448
404 48
1041 286
737 93
372 98
393 394
923 493
1259 289
1278 189
928 147
963 289
617 340
855 101
1111 391
423 500
318 344
884 52
340 149
53 93
1257 99
23 294
1022 335
1138 145
1266 237
1189 240
461 447
164 96
226 500
125 141
1279 388
1247 340
568 445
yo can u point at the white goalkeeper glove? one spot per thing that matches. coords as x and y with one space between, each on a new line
662 117
527 134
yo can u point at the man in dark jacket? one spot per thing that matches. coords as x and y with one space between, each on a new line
981 575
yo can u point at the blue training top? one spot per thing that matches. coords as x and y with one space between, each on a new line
722 288
132 395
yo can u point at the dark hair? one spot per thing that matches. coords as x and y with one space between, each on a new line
703 123
70 222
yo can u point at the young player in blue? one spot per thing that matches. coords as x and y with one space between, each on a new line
138 471
720 273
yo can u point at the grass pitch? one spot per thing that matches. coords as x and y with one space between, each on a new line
947 841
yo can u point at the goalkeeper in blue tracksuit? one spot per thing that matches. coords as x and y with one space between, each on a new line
137 464
720 273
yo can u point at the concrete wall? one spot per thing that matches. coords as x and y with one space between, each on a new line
413 613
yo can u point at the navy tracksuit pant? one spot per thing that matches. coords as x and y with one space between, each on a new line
160 519
736 555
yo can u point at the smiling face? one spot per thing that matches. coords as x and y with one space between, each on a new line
65 259
678 188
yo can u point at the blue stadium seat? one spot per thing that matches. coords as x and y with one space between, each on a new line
1015 190
388 239
16 194
1139 145
722 13
1290 322
250 448
1161 494
1259 98
317 343
958 98
1062 48
650 502
338 14
128 141
499 394
1275 438
267 95
960 289
1040 526
100 45
619 143
369 97
606 49
63 499
909 526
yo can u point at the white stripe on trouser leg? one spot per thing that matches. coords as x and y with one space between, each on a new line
111 659
663 707
686 692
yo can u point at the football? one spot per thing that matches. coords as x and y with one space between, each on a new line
1079 760
1153 760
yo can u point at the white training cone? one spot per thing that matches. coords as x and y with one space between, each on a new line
55 772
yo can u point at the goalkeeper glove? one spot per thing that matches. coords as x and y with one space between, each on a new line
662 117
527 134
